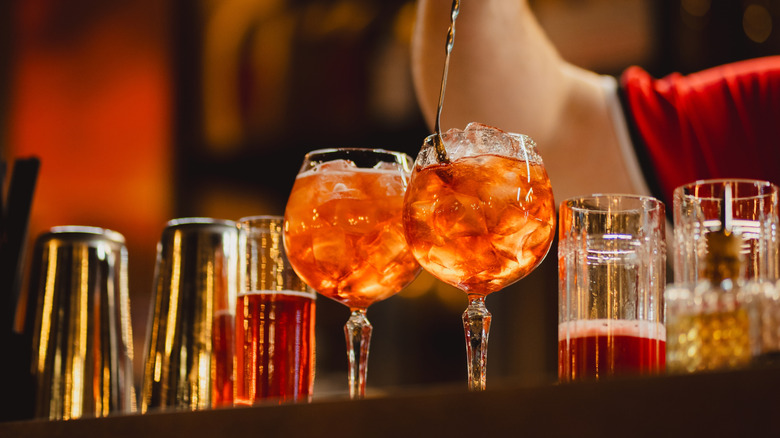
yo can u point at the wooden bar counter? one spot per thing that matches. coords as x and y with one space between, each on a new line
742 403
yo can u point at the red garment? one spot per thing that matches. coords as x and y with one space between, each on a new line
723 122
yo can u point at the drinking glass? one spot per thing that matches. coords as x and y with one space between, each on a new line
479 217
83 342
754 214
612 273
189 342
716 318
344 236
274 320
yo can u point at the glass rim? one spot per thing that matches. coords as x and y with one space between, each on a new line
260 222
260 217
644 203
362 158
461 143
682 191
354 149
430 137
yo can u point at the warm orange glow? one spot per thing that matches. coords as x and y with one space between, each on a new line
91 96
96 109
93 100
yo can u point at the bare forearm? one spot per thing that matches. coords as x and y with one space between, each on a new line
503 70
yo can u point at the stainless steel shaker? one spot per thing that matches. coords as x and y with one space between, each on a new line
189 351
82 345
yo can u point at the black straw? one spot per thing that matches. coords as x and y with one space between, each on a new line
14 224
16 218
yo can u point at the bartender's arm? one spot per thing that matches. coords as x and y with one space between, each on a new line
505 72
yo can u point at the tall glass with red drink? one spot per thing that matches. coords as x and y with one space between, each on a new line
612 264
275 314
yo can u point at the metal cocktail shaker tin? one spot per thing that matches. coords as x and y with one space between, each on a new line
189 350
83 348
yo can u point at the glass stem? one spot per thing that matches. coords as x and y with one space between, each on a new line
358 333
476 324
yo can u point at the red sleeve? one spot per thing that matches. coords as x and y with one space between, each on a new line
719 123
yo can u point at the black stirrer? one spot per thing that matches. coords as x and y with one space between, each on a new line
16 219
14 224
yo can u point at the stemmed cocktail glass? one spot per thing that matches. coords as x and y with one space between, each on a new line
479 215
344 236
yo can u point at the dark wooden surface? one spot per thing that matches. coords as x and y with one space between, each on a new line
737 404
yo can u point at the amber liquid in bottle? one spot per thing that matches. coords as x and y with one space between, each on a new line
716 334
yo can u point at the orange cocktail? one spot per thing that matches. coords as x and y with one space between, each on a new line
479 214
481 223
344 233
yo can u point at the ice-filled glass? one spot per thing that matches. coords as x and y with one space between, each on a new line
479 217
344 236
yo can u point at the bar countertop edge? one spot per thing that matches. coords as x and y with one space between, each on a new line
733 403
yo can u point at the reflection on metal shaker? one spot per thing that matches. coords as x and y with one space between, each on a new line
189 350
83 350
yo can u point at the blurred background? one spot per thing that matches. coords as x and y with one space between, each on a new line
146 110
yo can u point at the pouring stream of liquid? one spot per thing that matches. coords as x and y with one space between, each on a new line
441 153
